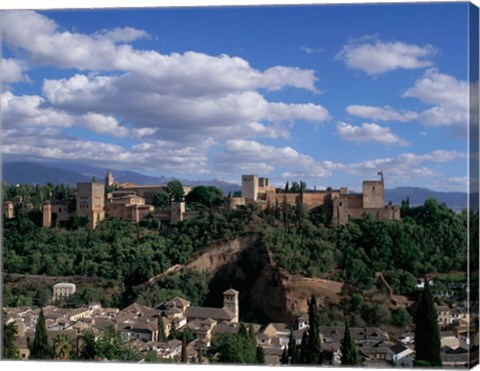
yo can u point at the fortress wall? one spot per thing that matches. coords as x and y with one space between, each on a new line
355 201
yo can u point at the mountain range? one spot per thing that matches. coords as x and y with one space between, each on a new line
71 173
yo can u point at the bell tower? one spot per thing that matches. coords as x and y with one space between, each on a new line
230 302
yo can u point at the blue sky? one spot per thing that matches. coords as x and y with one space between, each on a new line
327 94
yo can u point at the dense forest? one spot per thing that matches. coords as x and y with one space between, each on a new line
430 238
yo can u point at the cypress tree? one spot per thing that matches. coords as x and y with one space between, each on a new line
314 355
9 335
184 356
161 330
284 357
349 350
260 356
40 349
304 349
427 333
292 349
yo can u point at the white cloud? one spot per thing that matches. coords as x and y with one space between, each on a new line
44 43
385 113
246 156
121 34
28 111
368 133
403 167
448 95
379 57
232 115
51 144
12 70
102 124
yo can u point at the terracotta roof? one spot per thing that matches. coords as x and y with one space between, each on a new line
206 312
178 302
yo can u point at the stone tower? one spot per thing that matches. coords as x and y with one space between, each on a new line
8 210
230 302
250 187
109 179
91 202
177 212
47 215
373 193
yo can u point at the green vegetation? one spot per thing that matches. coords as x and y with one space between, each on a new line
40 347
236 348
204 197
9 332
311 348
175 190
350 355
427 333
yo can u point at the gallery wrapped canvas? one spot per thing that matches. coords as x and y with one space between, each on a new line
289 185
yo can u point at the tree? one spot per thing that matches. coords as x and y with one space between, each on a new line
61 347
284 357
175 190
161 200
207 196
349 350
260 356
184 356
427 333
40 349
314 354
88 350
161 330
9 335
292 355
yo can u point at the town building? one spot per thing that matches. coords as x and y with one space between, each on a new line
63 289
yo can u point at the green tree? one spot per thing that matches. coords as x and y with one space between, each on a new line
260 356
401 318
208 196
161 330
175 190
88 349
161 200
61 347
350 355
9 335
314 355
284 357
292 355
40 348
184 356
427 333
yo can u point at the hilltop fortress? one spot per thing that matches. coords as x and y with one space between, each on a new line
132 202
338 204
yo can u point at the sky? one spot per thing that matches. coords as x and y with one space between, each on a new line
326 94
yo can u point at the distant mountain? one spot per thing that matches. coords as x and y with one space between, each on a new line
71 173
417 196
31 173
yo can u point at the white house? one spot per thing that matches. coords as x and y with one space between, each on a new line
400 355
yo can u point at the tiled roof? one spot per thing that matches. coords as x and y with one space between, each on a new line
206 312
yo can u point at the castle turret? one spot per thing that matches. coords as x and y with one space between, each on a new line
109 179
47 215
230 302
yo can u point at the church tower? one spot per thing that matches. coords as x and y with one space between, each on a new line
230 302
109 179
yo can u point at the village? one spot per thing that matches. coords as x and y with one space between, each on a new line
152 331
